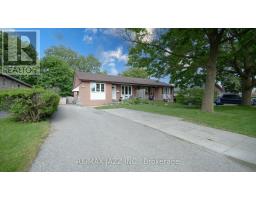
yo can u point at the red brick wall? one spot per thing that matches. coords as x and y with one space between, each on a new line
84 94
85 99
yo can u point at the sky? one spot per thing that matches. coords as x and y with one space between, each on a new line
105 44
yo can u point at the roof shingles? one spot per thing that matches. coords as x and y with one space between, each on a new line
84 76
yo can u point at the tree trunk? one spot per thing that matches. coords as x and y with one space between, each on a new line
208 97
246 84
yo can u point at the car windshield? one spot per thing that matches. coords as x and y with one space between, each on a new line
231 96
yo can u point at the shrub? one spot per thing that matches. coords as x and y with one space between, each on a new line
29 104
192 96
136 101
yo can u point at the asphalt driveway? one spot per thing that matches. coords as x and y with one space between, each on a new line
86 139
238 146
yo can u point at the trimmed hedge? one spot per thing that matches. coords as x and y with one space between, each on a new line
29 104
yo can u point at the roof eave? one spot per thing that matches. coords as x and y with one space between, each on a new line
17 80
118 82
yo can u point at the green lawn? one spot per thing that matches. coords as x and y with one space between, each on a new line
19 143
239 119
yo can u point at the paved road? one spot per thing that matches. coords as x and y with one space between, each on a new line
85 139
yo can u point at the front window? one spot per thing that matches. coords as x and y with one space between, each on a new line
97 87
166 90
126 90
102 87
122 90
146 91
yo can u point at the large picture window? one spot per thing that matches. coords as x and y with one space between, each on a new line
97 87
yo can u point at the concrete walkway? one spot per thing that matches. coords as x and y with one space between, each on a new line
230 144
86 139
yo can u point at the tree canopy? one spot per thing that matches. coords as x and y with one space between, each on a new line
135 72
199 57
238 59
189 56
75 60
56 75
170 54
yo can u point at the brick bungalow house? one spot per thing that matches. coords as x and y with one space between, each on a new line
98 89
7 81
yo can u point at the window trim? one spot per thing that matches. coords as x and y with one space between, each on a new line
126 88
101 87
166 90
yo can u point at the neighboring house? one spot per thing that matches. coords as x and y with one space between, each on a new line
97 89
7 81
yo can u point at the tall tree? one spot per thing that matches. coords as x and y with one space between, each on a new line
74 59
229 81
188 55
240 60
214 37
63 53
1 33
90 64
56 75
135 72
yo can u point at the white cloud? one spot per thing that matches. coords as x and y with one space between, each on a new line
91 30
110 58
112 64
116 32
89 33
112 69
87 39
117 55
149 37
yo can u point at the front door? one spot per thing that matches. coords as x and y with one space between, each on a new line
114 92
151 93
126 91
